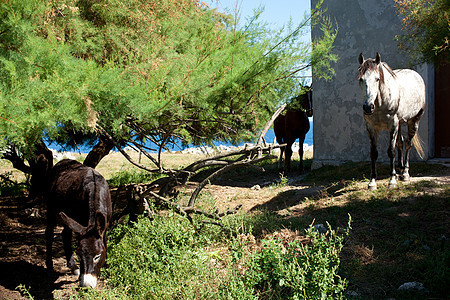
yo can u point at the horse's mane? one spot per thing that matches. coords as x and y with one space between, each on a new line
370 64
386 66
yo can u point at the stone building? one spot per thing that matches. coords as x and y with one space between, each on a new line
365 26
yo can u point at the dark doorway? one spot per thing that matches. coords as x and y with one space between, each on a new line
442 110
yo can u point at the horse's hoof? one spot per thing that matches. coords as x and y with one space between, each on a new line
392 185
372 185
405 177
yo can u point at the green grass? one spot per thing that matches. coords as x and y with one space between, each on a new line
168 259
125 176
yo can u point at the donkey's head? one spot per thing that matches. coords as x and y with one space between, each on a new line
91 249
370 75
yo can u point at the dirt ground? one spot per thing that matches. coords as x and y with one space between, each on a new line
22 226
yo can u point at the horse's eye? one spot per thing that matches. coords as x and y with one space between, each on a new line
97 258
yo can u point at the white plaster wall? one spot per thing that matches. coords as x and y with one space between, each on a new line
365 26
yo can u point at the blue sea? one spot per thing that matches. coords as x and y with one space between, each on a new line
270 138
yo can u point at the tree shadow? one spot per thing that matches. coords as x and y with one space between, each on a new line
288 199
397 236
39 283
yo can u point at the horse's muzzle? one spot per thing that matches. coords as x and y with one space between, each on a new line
368 109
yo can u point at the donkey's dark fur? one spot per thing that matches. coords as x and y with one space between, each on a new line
78 197
294 124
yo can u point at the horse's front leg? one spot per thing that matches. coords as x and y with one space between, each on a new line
280 160
288 155
300 151
67 241
391 153
399 145
373 156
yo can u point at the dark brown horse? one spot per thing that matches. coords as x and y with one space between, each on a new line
293 125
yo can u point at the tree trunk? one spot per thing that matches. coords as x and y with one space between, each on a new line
40 165
99 151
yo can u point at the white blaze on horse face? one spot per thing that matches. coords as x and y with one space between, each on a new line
369 86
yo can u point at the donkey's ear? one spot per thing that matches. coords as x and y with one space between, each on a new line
378 58
100 222
360 58
72 224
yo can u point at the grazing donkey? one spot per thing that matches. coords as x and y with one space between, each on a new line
79 198
391 98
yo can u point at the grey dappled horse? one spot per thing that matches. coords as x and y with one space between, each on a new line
391 98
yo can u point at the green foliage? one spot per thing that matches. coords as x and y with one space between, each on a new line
24 291
166 259
159 260
426 26
298 271
9 187
156 69
436 271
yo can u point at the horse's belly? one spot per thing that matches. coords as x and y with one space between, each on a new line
380 121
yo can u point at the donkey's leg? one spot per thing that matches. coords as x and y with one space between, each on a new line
391 153
49 236
373 156
288 155
67 241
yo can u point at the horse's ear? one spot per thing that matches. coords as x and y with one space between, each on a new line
360 58
378 58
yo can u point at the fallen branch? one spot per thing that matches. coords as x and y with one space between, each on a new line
249 157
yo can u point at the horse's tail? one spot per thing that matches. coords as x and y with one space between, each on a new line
417 143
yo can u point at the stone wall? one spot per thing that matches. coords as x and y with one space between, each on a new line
364 26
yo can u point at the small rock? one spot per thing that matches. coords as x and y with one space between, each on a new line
320 228
412 286
256 187
352 293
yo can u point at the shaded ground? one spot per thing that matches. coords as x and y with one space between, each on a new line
382 221
22 252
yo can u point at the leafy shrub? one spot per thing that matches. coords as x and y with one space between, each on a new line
168 259
163 259
9 187
298 271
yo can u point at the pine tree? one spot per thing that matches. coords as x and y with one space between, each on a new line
125 72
